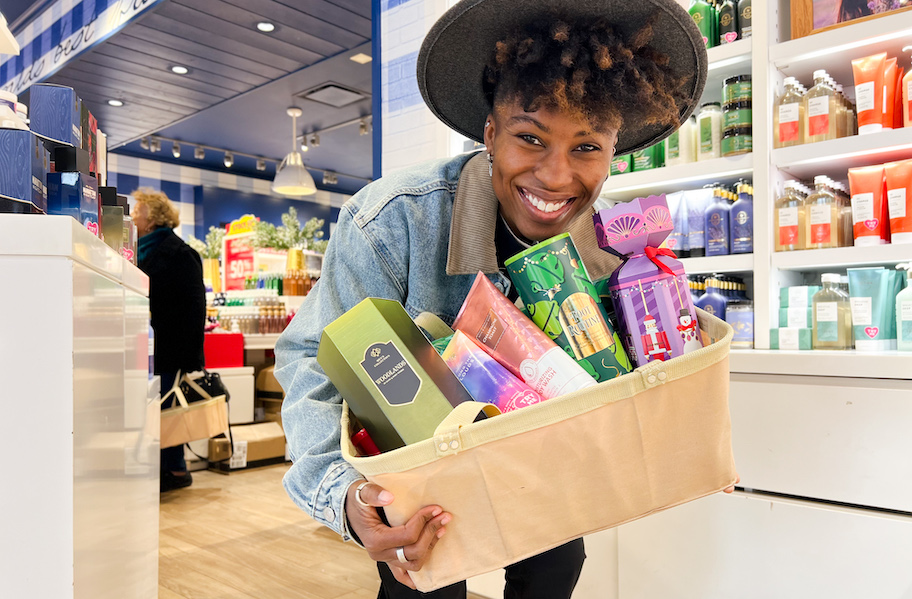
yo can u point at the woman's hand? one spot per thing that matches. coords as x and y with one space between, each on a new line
416 537
731 489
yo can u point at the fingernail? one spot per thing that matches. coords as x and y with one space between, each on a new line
446 520
385 497
437 511
440 533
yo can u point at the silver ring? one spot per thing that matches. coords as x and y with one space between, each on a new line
360 501
400 554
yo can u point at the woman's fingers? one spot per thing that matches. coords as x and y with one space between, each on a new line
402 576
418 552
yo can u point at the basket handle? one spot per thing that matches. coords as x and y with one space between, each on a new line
176 390
434 325
447 440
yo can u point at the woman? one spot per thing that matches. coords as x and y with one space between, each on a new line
554 89
177 301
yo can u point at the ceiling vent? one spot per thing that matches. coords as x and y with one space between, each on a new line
332 94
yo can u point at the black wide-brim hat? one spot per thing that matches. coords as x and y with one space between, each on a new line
455 51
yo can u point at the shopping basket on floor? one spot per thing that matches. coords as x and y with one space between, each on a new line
529 480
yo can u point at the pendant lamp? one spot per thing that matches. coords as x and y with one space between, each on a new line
292 178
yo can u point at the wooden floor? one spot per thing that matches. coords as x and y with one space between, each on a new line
240 537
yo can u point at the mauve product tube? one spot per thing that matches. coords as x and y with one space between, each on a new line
513 340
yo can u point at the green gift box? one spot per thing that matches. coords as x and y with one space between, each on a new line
622 164
790 338
796 317
797 297
561 300
394 381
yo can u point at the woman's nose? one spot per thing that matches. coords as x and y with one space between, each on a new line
554 170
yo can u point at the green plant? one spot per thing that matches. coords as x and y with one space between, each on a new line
212 247
265 235
290 234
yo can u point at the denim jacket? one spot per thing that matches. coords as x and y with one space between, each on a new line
418 236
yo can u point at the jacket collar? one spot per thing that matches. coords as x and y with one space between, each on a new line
472 248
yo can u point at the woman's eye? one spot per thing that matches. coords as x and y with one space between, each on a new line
588 148
530 139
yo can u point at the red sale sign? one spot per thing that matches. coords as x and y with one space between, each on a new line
238 260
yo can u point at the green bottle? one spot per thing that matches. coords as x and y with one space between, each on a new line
704 16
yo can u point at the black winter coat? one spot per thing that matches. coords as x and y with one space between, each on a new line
177 300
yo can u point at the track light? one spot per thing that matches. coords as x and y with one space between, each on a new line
199 152
144 143
176 150
315 140
304 146
362 128
229 159
155 145
330 178
261 165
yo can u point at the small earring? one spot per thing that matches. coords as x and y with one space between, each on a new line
490 165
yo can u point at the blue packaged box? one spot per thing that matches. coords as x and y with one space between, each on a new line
76 195
23 171
56 112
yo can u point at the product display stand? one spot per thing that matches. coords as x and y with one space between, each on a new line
79 510
821 439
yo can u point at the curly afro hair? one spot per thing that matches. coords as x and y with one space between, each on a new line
586 69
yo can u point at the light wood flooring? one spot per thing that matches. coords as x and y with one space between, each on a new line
240 537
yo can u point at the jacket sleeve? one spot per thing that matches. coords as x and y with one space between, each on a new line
189 294
355 266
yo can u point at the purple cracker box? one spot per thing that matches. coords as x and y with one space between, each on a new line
650 292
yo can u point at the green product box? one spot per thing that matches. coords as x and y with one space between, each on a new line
561 300
790 338
644 160
797 317
798 297
394 381
622 164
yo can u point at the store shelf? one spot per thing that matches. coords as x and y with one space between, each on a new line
260 341
834 50
725 61
8 43
719 264
873 365
836 156
841 258
675 178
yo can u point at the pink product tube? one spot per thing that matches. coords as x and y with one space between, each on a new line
484 378
508 336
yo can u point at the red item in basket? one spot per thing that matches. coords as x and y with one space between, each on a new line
224 350
364 444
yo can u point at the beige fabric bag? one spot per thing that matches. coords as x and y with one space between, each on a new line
187 421
524 482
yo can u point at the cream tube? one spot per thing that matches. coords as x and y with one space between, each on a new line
867 204
869 84
513 340
899 200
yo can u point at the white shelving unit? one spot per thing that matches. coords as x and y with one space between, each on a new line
260 341
8 43
736 263
841 258
836 156
674 178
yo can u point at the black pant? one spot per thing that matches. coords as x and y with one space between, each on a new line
549 575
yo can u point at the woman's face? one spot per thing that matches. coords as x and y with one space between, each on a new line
548 167
141 219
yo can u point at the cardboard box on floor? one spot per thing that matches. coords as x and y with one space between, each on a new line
255 445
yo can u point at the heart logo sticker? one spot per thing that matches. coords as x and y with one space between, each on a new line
126 253
730 37
93 228
622 166
871 331
672 243
872 223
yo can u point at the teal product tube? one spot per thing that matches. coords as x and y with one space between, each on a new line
873 294
904 311
678 241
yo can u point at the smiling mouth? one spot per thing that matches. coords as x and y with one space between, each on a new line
541 205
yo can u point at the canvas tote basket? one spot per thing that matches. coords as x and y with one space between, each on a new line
192 421
524 482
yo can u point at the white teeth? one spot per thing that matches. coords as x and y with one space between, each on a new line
542 205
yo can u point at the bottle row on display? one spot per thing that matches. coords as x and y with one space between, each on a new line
869 310
720 129
725 297
291 282
55 164
250 312
878 211
712 221
882 94
722 21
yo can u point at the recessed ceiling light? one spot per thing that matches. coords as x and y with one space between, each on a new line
361 58
265 26
180 70
117 103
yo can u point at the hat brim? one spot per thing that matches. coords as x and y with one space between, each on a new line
454 52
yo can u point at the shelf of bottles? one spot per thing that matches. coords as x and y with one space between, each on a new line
670 179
